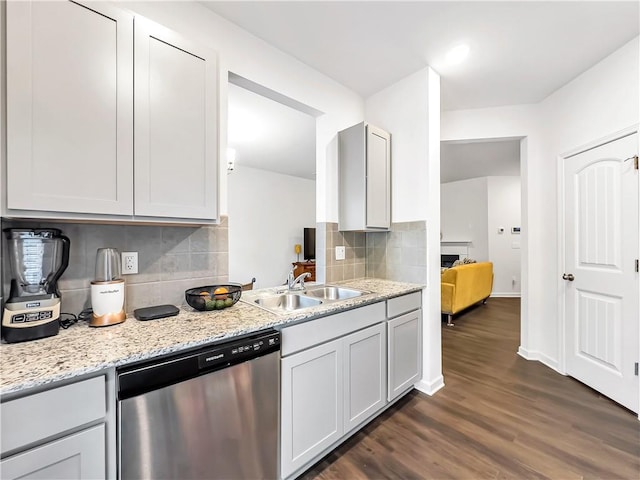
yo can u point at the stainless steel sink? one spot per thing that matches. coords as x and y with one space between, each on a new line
329 292
288 302
283 301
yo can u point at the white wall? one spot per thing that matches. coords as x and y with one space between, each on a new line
503 211
274 209
602 100
410 111
464 215
401 109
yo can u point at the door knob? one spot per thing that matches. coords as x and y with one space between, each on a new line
568 276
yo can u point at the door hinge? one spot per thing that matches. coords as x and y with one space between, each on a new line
637 270
635 161
636 369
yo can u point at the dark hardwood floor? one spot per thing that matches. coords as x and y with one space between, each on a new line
498 416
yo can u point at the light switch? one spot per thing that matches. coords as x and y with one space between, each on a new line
340 253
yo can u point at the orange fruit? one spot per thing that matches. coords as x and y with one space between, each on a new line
220 293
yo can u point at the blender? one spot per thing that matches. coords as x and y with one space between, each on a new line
107 290
38 257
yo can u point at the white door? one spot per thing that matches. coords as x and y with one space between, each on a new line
176 125
404 343
365 374
378 178
69 107
311 404
78 456
601 247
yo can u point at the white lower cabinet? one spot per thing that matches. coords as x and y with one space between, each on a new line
329 390
312 404
404 337
65 432
365 359
78 456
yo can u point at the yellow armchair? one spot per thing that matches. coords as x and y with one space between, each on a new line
465 285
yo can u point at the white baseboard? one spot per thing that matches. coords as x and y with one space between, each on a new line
431 387
539 357
524 353
505 294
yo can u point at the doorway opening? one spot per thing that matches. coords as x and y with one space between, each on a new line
271 181
481 214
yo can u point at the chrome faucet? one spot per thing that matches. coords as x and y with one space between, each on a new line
299 280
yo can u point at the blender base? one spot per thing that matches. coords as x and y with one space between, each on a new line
23 334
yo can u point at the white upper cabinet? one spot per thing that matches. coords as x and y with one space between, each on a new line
108 117
175 125
364 179
69 108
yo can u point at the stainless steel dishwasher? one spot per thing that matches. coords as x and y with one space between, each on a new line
211 413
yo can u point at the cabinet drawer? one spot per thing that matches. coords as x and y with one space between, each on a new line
314 332
36 417
406 303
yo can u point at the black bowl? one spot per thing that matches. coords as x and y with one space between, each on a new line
213 297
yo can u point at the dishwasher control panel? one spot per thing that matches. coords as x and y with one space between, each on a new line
237 351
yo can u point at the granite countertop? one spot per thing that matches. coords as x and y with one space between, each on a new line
81 349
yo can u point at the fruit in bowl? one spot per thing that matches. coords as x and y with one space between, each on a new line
213 297
221 293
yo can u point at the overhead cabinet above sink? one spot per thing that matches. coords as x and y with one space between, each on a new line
364 179
73 116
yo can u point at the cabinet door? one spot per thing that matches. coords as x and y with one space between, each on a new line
176 125
78 456
404 346
312 402
365 373
378 178
69 108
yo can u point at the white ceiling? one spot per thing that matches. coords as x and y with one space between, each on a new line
464 160
271 136
520 51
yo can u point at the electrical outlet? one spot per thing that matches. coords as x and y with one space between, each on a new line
340 253
129 263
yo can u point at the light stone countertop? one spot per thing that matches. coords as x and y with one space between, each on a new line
81 349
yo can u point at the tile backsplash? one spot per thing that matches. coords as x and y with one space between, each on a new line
170 260
354 264
399 254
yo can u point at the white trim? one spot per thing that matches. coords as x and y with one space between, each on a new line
505 294
561 287
430 388
524 353
612 137
533 355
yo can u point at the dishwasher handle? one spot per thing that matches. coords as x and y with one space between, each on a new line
239 351
151 375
